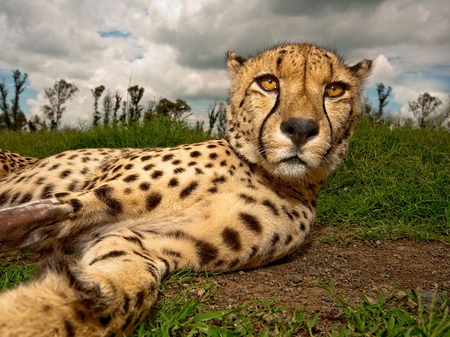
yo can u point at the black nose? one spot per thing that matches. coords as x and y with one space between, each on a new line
299 130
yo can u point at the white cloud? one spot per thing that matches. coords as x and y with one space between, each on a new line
382 70
176 49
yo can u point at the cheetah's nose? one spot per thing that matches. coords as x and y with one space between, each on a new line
299 130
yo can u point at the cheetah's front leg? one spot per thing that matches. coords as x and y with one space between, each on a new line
106 292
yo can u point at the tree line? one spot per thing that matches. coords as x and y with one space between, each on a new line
111 109
427 109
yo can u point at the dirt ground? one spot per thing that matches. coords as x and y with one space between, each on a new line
358 267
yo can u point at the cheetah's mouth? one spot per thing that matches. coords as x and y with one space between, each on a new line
294 160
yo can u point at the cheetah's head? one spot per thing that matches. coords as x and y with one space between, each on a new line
293 108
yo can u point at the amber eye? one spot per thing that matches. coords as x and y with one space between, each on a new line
335 89
268 82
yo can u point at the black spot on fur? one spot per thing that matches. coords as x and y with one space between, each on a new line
233 264
70 331
213 156
140 296
4 197
231 238
271 207
76 204
40 180
128 167
253 252
157 174
213 190
145 158
152 201
136 240
219 180
173 182
47 192
171 252
275 238
112 254
61 195
251 222
288 239
167 157
130 178
195 154
65 174
104 321
188 190
113 206
206 252
247 198
179 170
144 186
302 226
126 303
149 167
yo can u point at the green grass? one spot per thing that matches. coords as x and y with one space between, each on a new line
392 183
159 132
402 313
192 313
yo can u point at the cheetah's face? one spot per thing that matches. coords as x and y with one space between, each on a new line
293 107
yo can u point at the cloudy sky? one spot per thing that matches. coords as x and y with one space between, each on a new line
176 49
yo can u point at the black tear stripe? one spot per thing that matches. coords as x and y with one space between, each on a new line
329 125
271 112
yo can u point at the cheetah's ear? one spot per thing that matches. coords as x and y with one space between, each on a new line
234 61
362 69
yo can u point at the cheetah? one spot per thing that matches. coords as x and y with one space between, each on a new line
120 220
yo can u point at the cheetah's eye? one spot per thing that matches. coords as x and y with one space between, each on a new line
335 89
268 82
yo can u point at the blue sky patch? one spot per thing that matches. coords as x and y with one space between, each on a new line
114 34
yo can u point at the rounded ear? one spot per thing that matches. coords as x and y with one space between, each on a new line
362 69
234 61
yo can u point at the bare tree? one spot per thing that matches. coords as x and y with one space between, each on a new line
35 123
424 107
117 100
13 117
135 109
150 111
61 92
18 116
217 114
172 110
108 107
96 93
212 116
5 105
366 105
382 99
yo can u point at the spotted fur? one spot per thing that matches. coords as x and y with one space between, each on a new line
128 217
